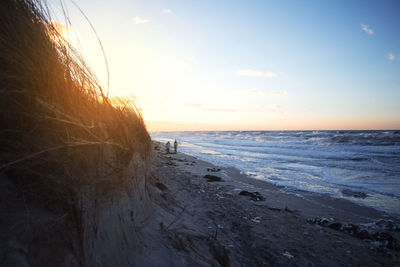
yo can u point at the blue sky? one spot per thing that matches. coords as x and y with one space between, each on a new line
225 65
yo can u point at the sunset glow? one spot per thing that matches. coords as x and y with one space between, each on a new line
248 65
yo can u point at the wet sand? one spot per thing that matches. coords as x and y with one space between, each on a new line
212 223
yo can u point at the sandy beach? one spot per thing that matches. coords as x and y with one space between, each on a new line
227 223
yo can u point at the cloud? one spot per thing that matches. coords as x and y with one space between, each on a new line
139 20
166 11
194 105
221 109
161 101
200 106
367 29
276 107
391 57
256 73
270 92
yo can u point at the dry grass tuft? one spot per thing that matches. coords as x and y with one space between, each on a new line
61 137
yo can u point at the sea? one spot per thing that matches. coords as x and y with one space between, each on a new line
361 166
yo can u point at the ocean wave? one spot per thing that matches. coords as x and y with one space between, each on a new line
318 161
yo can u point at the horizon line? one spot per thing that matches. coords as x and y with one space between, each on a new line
308 130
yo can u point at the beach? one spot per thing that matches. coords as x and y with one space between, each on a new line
85 178
227 223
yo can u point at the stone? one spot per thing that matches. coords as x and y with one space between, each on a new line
335 225
255 196
356 194
212 178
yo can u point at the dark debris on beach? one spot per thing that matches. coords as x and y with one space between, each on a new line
375 233
255 196
213 169
213 178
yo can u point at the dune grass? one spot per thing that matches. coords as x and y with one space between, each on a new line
61 137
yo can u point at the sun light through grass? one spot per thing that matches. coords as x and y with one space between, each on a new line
60 134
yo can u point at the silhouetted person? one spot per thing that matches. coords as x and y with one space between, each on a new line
175 146
167 146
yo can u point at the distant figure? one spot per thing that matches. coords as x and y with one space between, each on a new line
167 146
175 146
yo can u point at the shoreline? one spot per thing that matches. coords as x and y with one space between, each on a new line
352 167
323 198
292 219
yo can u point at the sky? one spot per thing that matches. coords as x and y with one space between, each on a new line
247 65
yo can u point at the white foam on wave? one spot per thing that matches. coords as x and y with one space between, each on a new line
318 161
